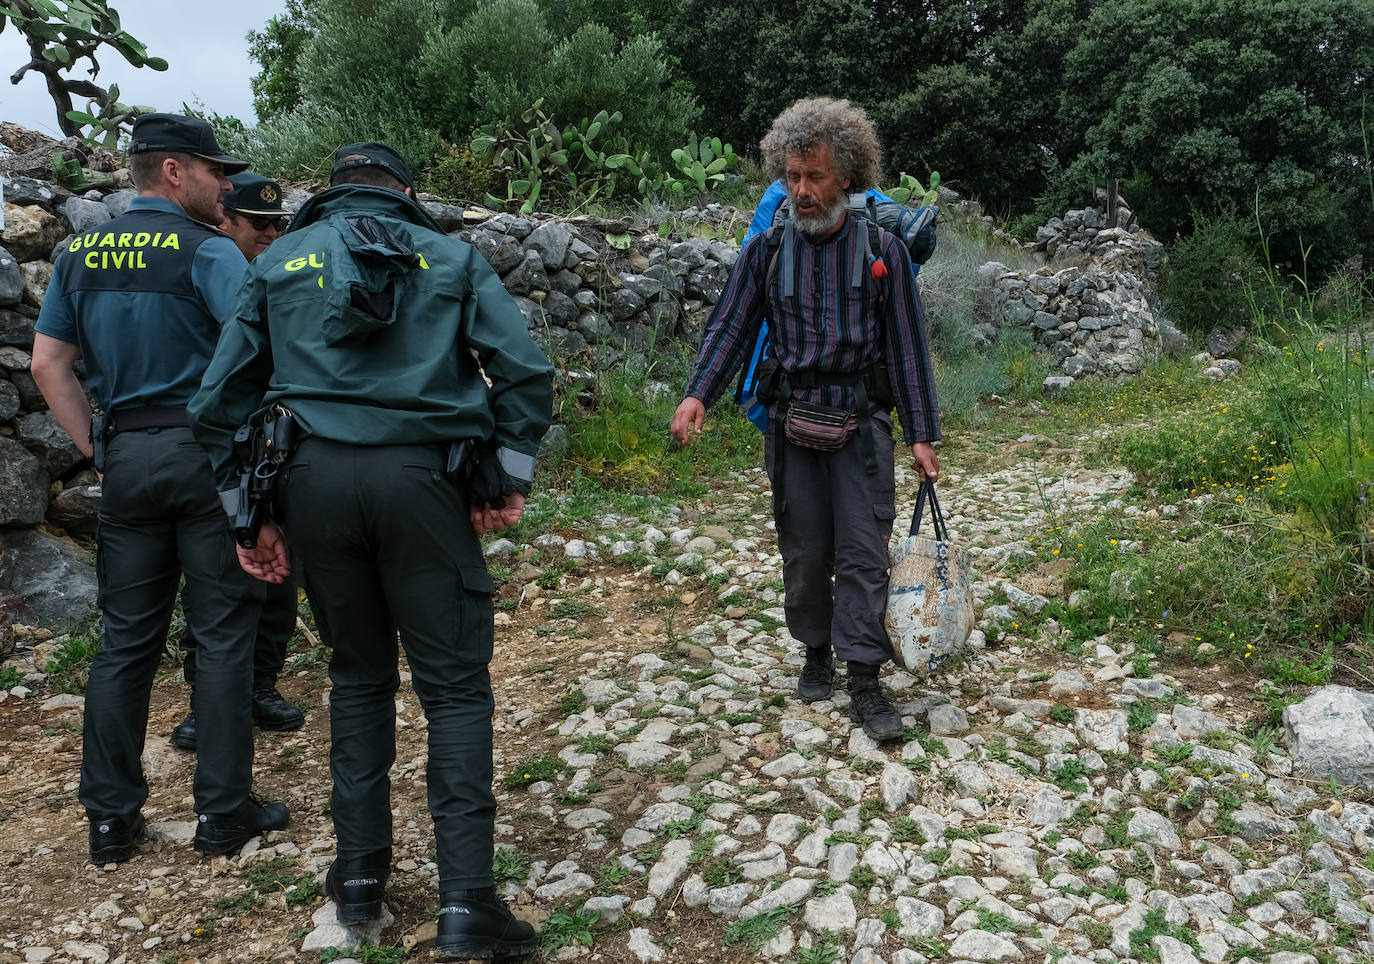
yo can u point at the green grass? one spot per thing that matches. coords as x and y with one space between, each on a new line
10 677
544 766
562 929
758 930
508 864
69 667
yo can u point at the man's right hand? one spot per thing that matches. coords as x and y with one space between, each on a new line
688 419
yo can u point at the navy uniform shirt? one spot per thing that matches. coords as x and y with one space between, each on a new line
144 296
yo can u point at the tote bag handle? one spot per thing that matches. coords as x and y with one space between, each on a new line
937 519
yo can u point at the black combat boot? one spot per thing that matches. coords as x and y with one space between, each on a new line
868 704
355 886
113 838
184 736
476 924
271 711
226 833
817 680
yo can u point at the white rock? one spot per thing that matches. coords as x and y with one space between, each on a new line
976 945
834 912
641 944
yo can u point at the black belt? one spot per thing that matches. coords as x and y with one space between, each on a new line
148 416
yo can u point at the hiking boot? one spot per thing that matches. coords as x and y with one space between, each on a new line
870 706
113 838
184 736
226 833
476 924
355 886
271 711
817 680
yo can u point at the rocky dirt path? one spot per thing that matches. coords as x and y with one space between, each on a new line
664 797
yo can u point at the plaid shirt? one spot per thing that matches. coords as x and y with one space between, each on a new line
829 327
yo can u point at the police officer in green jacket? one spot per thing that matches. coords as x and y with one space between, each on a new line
141 299
374 330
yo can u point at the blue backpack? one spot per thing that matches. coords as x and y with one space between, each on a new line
915 227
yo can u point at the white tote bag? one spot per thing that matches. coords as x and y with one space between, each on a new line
930 593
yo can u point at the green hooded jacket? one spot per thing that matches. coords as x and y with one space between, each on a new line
375 328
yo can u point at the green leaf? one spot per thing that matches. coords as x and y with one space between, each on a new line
520 186
63 54
594 129
114 92
614 161
716 166
156 63
665 229
618 241
482 144
494 202
558 157
80 117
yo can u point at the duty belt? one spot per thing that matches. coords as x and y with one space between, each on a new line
145 417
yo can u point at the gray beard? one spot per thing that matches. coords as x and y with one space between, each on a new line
823 222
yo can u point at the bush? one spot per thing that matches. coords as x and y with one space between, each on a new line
460 173
1210 274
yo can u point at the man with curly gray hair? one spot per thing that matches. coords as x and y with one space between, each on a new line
848 345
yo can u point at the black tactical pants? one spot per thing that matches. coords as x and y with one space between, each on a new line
386 544
160 517
275 627
834 521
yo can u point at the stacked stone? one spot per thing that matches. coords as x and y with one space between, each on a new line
1085 233
1093 319
576 301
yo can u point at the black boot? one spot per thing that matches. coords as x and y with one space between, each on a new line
868 704
355 886
476 924
226 833
184 736
817 680
271 711
113 838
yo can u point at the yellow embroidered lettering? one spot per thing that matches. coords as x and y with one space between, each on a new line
141 239
91 260
170 242
423 263
117 257
126 239
295 264
315 261
108 241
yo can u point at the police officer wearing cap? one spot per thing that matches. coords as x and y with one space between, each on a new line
253 213
141 299
254 218
375 330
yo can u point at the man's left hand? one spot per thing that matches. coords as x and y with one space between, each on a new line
925 461
486 519
269 560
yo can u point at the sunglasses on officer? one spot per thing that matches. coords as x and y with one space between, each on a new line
262 222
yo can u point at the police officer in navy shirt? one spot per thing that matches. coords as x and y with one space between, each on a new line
141 300
254 218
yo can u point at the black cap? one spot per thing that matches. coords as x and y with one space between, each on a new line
254 194
185 135
370 154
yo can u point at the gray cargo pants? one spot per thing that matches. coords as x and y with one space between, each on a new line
834 521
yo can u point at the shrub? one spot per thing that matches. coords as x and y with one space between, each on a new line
1210 273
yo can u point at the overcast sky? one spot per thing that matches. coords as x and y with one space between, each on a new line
204 46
